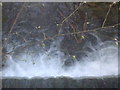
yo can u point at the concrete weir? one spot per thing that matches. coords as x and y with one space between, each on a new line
61 82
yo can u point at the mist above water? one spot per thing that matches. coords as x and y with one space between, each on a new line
102 61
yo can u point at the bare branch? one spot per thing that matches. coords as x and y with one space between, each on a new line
68 17
110 6
18 14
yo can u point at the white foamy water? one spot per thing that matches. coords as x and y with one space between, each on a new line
100 62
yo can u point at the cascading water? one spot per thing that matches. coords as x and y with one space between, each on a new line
102 61
62 44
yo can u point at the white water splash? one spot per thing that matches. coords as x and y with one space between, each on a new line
100 62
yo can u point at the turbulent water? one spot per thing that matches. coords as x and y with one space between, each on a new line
102 61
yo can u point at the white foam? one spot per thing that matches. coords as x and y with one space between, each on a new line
100 62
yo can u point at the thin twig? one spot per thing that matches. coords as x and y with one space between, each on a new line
17 16
72 26
107 14
68 17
